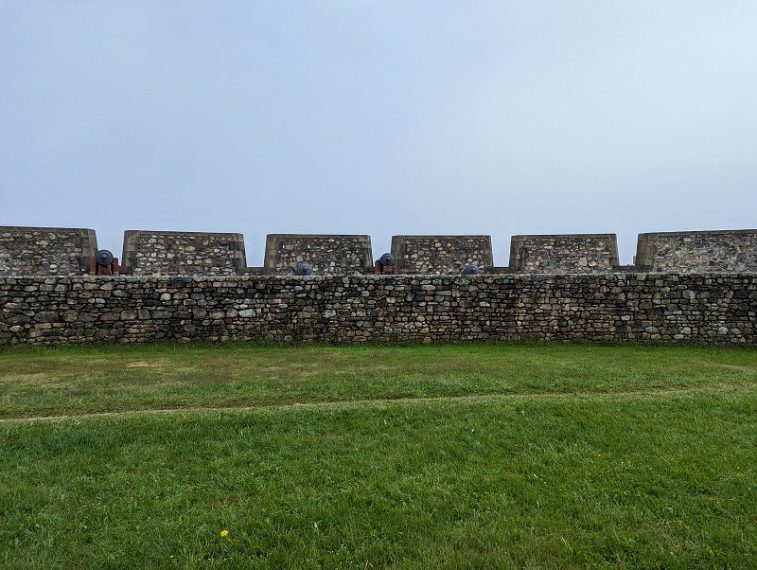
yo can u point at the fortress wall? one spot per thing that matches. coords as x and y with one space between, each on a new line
182 253
564 253
68 251
441 255
727 250
665 308
327 254
46 251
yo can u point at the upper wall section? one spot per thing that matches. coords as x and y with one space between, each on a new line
441 255
326 254
71 251
564 253
692 252
46 251
182 253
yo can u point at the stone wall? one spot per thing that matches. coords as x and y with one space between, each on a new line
675 308
729 250
327 254
182 253
566 253
46 251
67 251
441 255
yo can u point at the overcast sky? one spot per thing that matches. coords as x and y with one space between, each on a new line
379 117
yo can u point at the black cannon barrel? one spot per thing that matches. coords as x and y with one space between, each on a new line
104 257
386 259
303 268
471 269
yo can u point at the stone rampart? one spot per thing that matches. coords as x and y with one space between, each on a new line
326 254
666 308
182 253
564 253
726 250
441 255
67 251
46 251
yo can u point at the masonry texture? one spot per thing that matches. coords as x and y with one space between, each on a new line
685 308
567 253
441 255
182 253
46 251
327 254
729 250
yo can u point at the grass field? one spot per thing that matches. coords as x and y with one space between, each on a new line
479 456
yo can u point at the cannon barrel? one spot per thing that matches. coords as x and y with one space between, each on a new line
471 269
303 268
104 257
386 259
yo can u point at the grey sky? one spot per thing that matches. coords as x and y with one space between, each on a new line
379 116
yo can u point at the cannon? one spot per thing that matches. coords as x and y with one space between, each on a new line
471 269
104 263
387 259
385 264
104 257
303 268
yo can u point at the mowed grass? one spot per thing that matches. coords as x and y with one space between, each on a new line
114 378
470 456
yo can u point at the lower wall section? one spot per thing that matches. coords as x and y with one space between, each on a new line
697 309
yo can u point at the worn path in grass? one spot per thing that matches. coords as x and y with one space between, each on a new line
442 457
383 402
112 379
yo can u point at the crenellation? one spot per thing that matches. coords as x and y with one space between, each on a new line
183 253
564 253
46 251
327 254
699 251
71 251
441 255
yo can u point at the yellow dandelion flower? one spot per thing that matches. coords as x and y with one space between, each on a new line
224 533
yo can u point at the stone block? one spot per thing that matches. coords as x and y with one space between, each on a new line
326 254
698 251
46 251
564 253
182 253
441 255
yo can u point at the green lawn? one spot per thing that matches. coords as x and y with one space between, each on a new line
479 456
